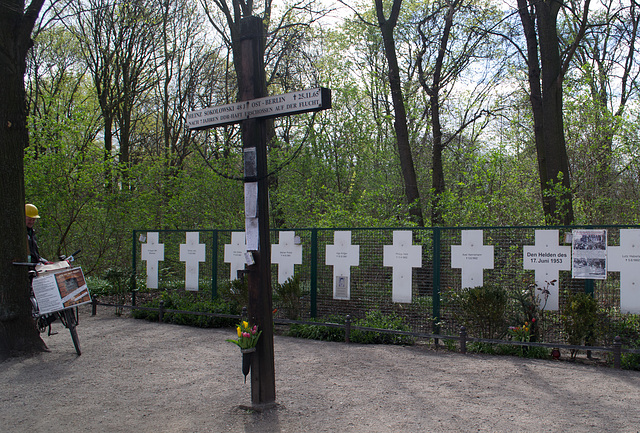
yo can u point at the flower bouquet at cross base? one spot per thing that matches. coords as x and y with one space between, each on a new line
247 336
522 333
247 341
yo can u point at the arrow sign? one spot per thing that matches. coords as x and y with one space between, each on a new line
302 101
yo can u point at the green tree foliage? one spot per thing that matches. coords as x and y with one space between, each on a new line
600 114
336 168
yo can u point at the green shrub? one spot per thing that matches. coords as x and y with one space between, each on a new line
319 332
627 327
375 319
236 292
509 350
190 302
286 297
579 317
527 309
120 281
482 310
98 286
630 361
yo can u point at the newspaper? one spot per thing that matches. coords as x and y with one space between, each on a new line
589 254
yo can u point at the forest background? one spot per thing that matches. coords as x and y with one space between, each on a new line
433 119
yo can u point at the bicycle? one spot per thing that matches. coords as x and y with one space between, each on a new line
61 289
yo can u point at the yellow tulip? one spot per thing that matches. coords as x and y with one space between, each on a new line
245 325
239 332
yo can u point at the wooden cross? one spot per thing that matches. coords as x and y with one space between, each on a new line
251 112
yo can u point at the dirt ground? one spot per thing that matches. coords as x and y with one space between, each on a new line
147 377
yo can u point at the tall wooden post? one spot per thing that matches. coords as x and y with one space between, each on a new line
252 110
252 84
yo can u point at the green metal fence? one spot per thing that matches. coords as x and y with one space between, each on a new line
435 283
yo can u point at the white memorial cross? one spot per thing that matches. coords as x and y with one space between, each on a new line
626 260
547 258
286 255
192 253
234 254
472 257
152 252
403 256
342 255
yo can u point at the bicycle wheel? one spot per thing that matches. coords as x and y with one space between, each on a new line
70 323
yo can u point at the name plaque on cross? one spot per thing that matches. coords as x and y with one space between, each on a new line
547 258
342 255
286 255
152 252
403 256
473 257
626 260
302 101
192 253
234 254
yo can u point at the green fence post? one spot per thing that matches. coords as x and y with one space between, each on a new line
314 273
214 265
134 265
436 280
589 287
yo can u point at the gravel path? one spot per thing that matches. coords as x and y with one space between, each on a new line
136 376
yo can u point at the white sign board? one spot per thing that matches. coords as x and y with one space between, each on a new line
472 257
403 256
252 233
547 258
153 253
234 254
192 253
342 255
60 290
270 106
286 255
626 260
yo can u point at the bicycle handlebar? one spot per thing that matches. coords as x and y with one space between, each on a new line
69 258
33 265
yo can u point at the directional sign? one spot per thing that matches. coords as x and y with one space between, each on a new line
270 106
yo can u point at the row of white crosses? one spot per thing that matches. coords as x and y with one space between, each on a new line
192 253
402 256
547 258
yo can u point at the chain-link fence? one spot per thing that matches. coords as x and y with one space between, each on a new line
439 302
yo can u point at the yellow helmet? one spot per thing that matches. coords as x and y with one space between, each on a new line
31 211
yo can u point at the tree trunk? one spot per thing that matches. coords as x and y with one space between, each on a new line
437 168
400 122
438 184
545 85
18 333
